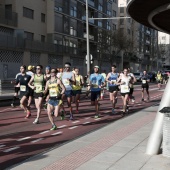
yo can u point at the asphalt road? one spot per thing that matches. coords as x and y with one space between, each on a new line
21 139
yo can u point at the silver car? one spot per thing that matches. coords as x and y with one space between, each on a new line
138 76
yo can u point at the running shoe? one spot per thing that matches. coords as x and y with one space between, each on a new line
96 116
113 111
28 114
36 121
127 109
62 116
12 105
54 127
142 99
71 116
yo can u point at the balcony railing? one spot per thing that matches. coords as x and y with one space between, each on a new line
8 17
91 37
148 42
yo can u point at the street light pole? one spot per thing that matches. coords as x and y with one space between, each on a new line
87 38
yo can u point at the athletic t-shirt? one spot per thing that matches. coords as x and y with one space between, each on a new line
96 81
144 79
113 78
23 80
66 82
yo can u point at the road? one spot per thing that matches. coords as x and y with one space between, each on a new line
21 139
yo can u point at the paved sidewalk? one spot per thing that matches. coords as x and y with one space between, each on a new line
118 146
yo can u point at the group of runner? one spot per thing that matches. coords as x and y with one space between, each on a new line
57 85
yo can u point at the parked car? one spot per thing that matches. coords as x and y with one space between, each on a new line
152 76
138 76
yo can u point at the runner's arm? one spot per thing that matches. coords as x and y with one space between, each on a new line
30 82
62 86
107 78
46 87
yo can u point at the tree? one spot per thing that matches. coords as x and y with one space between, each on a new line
111 43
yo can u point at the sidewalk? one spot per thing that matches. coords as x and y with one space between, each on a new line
118 146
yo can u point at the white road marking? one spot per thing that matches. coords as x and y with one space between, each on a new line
1 146
61 126
44 132
57 133
76 121
9 109
87 118
73 127
11 149
97 119
23 139
37 140
86 123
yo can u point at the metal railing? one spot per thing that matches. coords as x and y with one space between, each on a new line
6 88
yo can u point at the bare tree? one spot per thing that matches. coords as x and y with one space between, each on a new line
111 43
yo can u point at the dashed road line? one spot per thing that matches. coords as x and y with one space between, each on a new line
58 133
87 118
23 139
73 127
1 146
61 126
11 149
86 123
37 140
44 132
97 119
76 121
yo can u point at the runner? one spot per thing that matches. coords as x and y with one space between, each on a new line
131 86
159 78
145 84
113 88
68 79
17 88
23 80
38 79
77 88
30 72
125 81
55 101
103 89
96 82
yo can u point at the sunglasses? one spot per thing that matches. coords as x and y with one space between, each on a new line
38 68
53 72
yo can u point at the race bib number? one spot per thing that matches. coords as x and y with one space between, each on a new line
38 88
66 82
124 88
77 83
53 93
22 88
143 81
113 81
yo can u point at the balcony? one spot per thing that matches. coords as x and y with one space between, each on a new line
91 37
91 20
8 18
148 42
148 32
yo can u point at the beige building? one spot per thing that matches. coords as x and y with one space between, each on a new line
50 32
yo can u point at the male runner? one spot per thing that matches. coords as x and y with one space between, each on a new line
159 78
55 101
23 80
145 84
77 88
113 87
68 79
96 82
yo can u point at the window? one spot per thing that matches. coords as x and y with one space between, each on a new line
122 21
164 38
115 1
100 7
108 25
42 17
128 30
108 12
121 9
28 13
73 11
29 35
114 13
59 9
42 38
100 23
114 27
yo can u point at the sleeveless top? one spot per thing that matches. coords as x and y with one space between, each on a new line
78 83
159 76
113 78
54 89
124 88
39 83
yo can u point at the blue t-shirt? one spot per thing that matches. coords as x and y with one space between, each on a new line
113 77
96 81
66 82
144 79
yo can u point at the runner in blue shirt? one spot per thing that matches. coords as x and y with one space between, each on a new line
96 82
113 87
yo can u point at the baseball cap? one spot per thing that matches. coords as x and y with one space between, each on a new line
30 67
48 68
96 67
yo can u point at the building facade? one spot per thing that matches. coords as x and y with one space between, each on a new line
145 42
51 32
